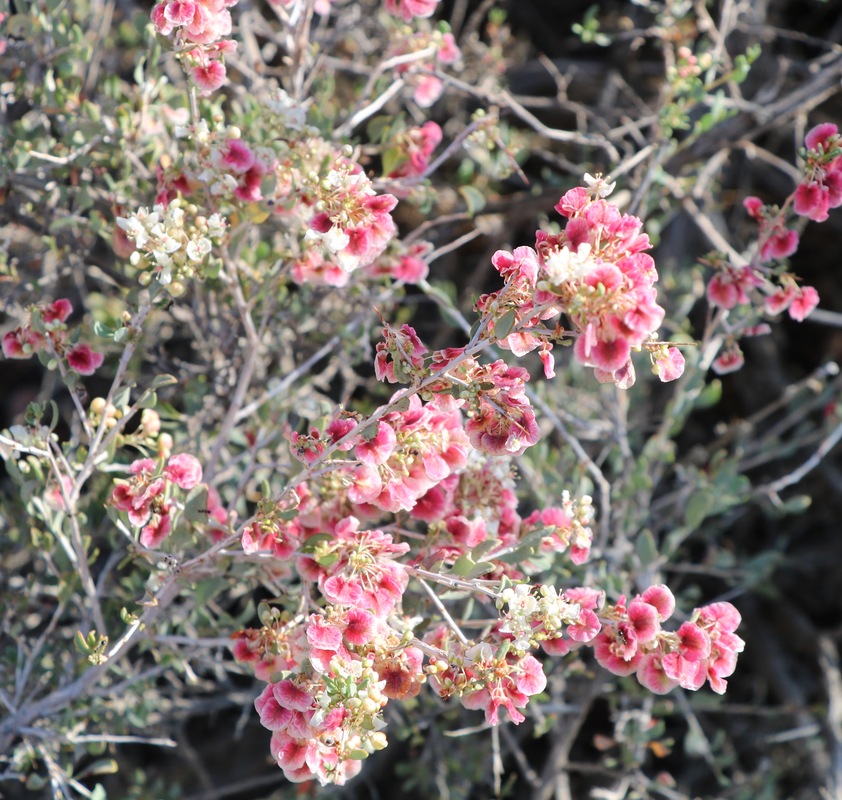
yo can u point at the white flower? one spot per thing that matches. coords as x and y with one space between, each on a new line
599 184
216 226
198 249
565 264
336 239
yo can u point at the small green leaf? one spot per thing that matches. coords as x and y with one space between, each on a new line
647 550
102 330
196 504
163 380
463 566
314 541
503 326
474 199
148 399
699 507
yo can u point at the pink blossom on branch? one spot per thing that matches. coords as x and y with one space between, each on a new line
408 9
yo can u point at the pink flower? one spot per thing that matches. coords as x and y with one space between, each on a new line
670 366
184 470
428 89
157 530
694 643
238 156
803 303
209 76
58 311
644 621
616 651
586 626
360 626
179 13
22 343
84 360
661 598
779 301
651 675
754 206
730 360
292 696
819 137
407 9
781 244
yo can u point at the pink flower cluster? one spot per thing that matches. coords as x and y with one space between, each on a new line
563 527
199 28
409 9
419 74
46 331
598 272
149 496
352 221
408 453
343 663
595 272
412 149
483 676
821 188
223 163
705 648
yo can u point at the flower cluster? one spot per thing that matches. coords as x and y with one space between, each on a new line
753 289
483 676
597 270
705 648
565 526
434 49
342 664
173 243
198 29
408 453
821 188
46 333
149 497
225 164
410 151
351 221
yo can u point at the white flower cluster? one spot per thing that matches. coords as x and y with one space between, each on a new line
569 265
528 606
172 242
581 513
284 112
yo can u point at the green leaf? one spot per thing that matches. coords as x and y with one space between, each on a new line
463 566
105 766
392 159
699 507
196 504
503 326
163 380
314 541
484 547
148 399
474 199
102 330
645 547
